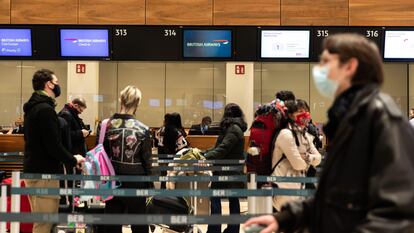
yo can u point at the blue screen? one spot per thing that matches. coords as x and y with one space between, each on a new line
84 43
16 42
207 44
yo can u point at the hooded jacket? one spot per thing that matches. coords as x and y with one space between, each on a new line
367 181
229 145
43 151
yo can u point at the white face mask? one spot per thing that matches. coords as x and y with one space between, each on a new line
325 86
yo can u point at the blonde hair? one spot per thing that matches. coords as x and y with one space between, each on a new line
130 97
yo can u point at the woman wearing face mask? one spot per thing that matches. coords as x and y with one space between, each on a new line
294 151
367 181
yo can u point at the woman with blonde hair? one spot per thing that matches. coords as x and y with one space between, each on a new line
128 144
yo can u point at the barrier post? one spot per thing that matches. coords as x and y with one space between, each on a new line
252 185
15 201
268 202
3 206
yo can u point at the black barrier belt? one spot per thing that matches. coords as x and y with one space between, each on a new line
224 161
287 179
198 168
196 178
11 153
123 219
11 158
163 192
240 178
200 178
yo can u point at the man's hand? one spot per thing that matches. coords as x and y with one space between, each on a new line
85 133
79 161
268 220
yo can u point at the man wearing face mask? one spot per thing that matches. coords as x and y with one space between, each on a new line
367 181
78 132
201 129
44 152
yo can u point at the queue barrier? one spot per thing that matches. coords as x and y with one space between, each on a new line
253 195
124 219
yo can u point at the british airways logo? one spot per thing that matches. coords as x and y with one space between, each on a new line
221 41
74 40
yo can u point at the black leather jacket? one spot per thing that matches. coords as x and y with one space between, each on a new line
128 144
367 184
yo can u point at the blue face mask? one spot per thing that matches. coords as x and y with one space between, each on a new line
204 128
325 86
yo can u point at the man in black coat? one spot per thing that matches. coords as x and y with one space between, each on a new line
367 183
44 152
78 132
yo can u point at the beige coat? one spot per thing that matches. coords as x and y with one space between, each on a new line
293 165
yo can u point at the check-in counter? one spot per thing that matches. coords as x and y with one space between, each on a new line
15 143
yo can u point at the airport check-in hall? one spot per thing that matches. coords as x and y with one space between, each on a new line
206 116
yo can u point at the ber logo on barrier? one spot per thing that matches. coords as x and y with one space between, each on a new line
80 68
239 69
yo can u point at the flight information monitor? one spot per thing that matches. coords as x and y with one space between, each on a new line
207 43
399 45
16 42
84 43
285 43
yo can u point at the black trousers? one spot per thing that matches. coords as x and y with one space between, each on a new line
131 205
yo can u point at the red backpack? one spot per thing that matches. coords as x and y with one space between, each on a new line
263 132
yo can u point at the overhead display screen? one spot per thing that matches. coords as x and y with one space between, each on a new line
285 43
84 43
399 44
320 33
207 43
16 42
146 43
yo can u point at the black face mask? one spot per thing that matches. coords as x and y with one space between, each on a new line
56 90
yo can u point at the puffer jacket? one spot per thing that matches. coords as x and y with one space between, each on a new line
229 145
128 144
367 183
291 163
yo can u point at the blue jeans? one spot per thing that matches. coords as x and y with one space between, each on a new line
215 205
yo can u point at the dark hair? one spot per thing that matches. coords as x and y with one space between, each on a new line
232 111
285 95
302 104
348 46
292 106
40 78
206 118
173 119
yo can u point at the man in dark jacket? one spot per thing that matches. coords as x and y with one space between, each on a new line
44 152
367 181
78 132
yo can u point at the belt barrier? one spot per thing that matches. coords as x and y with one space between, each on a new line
164 192
196 178
124 219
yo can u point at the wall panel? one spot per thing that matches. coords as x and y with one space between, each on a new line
110 12
44 12
5 11
314 12
381 12
179 12
246 12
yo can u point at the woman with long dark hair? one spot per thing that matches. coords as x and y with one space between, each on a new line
229 145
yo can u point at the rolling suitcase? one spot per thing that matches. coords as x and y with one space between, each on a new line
73 227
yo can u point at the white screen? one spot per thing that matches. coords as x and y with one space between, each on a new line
399 44
285 44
